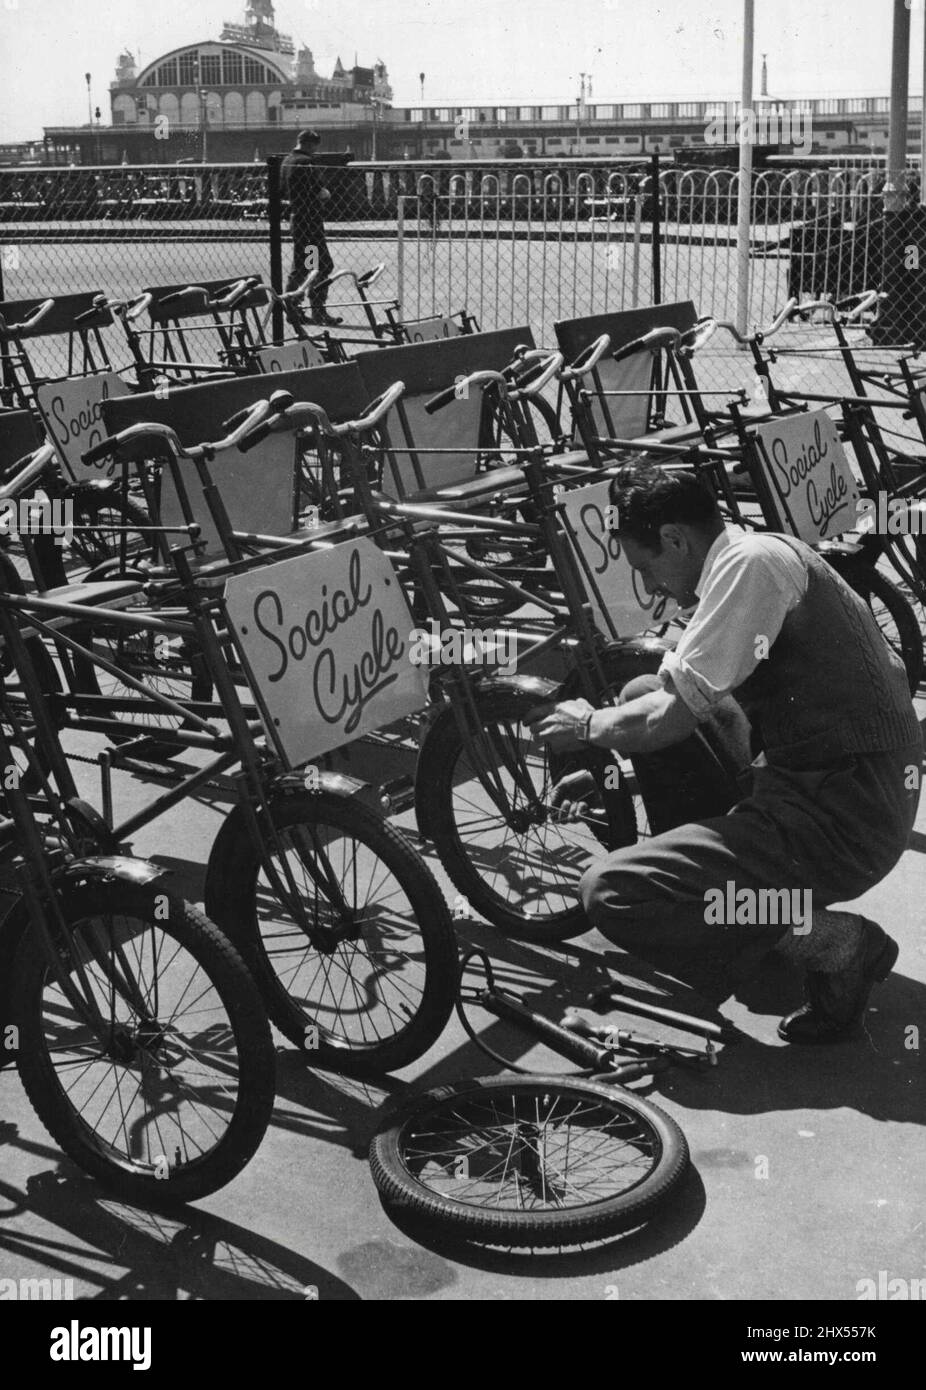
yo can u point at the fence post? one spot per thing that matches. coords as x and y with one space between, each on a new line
400 254
275 216
657 231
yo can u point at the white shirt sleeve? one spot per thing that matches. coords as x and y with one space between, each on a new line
750 590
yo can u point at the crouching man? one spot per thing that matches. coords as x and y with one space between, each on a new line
833 794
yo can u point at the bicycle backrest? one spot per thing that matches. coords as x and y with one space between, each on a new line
67 348
427 368
623 417
19 437
191 306
427 330
294 356
187 331
258 488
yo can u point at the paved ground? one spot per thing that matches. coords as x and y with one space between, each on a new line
807 1171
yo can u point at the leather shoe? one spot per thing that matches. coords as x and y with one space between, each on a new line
326 320
835 1002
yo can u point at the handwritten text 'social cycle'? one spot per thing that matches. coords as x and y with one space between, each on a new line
326 636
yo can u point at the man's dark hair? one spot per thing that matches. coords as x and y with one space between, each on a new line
308 137
647 498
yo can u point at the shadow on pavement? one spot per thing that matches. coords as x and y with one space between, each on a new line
181 1253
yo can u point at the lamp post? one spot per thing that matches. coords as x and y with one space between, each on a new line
584 91
424 120
87 79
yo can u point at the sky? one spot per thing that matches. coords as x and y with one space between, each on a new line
471 51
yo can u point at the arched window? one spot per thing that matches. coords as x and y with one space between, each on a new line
190 107
256 109
234 108
169 106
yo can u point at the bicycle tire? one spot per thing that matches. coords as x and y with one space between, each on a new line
549 873
93 539
407 1147
901 631
337 1032
240 1006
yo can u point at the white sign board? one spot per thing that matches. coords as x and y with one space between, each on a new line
809 475
289 357
72 410
328 637
622 594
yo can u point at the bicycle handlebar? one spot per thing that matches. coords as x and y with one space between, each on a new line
369 277
283 406
254 415
30 471
744 339
701 334
125 308
26 325
460 389
588 358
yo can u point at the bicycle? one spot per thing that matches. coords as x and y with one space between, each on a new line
143 1044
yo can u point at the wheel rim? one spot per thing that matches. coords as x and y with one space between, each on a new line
535 869
523 1148
359 981
162 1087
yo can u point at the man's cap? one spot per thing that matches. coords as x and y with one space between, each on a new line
306 135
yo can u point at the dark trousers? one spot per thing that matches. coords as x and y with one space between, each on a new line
303 239
835 830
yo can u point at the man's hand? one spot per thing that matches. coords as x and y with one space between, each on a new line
557 725
324 194
568 799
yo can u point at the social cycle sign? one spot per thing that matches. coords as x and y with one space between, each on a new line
73 413
614 587
809 475
327 636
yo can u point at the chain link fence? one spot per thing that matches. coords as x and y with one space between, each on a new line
515 243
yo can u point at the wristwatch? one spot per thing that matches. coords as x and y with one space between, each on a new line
584 728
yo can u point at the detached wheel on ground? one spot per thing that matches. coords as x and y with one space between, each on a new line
528 1161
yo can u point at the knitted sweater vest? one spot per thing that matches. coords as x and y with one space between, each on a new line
830 686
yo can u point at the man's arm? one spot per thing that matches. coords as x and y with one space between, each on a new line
654 720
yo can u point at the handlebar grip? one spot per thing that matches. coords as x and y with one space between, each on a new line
97 307
101 450
256 437
237 419
442 398
629 349
180 294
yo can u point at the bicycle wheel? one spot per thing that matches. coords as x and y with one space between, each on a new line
370 984
512 862
101 518
528 1161
173 1101
895 617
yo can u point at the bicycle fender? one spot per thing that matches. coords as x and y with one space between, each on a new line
15 924
623 661
289 784
104 868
